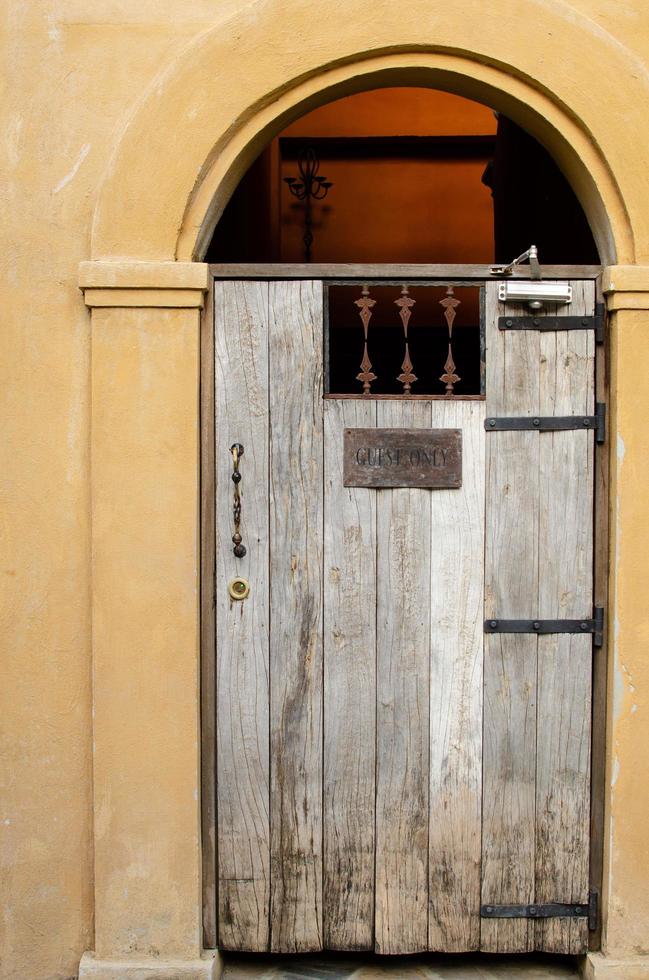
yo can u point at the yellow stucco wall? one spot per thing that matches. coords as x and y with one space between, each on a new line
125 126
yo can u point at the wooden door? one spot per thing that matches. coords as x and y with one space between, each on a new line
390 777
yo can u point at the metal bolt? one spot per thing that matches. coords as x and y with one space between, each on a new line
586 422
532 910
536 421
536 625
583 626
509 323
584 323
492 422
489 908
578 910
536 322
493 623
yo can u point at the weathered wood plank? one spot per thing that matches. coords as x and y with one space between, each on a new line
296 529
242 628
349 691
391 272
600 655
511 591
403 733
457 600
208 635
565 662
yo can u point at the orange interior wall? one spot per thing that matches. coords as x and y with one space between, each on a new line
397 111
393 209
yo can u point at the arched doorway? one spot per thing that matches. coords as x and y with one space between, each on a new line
339 799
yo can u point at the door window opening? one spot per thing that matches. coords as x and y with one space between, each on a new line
401 340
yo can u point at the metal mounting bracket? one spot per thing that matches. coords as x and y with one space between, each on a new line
506 270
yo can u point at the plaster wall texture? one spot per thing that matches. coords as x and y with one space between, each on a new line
121 123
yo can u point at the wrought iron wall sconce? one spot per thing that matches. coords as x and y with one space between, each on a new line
309 186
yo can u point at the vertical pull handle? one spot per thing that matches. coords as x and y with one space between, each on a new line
239 549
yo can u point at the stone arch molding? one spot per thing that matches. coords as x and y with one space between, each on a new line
205 118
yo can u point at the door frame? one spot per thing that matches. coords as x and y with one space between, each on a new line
411 273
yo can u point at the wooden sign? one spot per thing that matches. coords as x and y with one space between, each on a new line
379 458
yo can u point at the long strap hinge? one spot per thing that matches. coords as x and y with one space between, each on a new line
547 324
551 423
548 910
542 627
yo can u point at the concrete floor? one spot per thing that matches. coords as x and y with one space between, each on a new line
432 967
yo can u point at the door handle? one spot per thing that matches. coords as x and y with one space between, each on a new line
239 549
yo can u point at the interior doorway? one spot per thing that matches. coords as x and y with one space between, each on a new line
418 176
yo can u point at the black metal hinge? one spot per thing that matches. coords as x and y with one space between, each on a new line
550 910
551 423
552 323
544 626
593 909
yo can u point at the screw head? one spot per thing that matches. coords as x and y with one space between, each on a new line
584 323
536 321
536 625
489 908
536 422
492 422
583 626
493 623
509 323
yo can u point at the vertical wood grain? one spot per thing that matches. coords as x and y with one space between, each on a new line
349 690
296 530
539 563
403 676
242 628
457 599
208 636
565 661
600 654
511 592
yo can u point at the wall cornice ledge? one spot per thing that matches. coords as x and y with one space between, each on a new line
144 284
626 287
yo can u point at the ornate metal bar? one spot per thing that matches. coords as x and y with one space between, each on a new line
365 304
450 304
405 304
